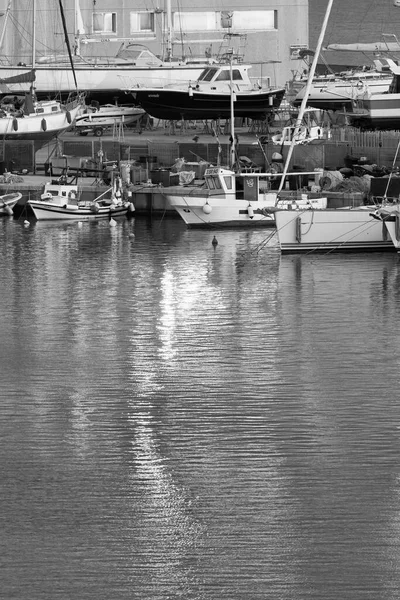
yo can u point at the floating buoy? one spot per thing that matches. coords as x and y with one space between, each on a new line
15 124
80 224
26 223
131 207
207 208
8 210
69 118
215 241
250 211
44 124
112 223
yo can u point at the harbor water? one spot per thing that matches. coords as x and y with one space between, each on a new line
186 420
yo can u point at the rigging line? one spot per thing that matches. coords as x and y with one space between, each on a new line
391 172
67 41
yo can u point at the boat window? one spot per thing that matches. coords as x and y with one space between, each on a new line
236 75
54 108
228 182
39 110
210 183
217 183
225 75
207 74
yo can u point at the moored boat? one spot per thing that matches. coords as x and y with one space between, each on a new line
331 230
229 199
64 201
7 203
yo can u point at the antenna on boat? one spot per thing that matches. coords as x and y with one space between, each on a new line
306 94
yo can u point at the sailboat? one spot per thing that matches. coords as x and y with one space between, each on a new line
32 119
103 78
328 229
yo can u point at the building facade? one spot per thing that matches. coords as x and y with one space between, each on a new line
266 33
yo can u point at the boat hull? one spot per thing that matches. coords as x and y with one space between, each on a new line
40 127
104 84
340 95
333 230
208 212
7 203
380 111
47 211
172 104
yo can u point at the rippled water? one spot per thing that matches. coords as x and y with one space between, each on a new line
184 421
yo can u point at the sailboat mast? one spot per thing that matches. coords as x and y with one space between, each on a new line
77 46
232 99
33 34
169 29
7 14
306 93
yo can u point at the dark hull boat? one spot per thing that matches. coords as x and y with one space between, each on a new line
211 96
178 104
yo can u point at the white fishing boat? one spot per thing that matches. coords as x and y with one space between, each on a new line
7 203
63 201
229 199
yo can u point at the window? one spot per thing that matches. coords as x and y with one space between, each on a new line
104 22
226 75
195 21
142 22
228 182
239 20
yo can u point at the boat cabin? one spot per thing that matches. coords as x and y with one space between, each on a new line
225 182
224 74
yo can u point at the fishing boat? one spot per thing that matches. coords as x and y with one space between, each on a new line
65 201
209 97
7 203
230 199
